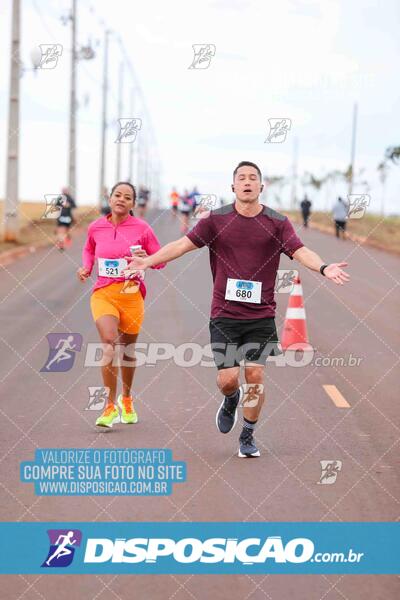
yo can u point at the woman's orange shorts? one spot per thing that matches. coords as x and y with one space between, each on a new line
128 308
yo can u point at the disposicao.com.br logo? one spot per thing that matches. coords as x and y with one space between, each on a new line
246 551
200 548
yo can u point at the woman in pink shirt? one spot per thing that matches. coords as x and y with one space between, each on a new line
117 304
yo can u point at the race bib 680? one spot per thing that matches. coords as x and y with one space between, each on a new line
242 290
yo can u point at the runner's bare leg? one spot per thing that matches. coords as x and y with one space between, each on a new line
128 371
254 375
107 326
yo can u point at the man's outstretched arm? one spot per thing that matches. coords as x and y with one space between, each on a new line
311 260
165 254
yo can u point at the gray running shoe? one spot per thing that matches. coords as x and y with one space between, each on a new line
247 446
226 416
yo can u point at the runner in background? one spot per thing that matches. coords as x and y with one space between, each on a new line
185 208
105 207
174 197
194 198
305 207
65 219
339 213
118 315
143 199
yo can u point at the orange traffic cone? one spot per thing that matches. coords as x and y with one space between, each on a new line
294 335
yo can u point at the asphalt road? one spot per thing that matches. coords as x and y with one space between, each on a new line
299 426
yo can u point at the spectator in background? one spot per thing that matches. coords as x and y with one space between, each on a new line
339 213
305 206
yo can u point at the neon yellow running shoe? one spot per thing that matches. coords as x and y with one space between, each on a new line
128 413
109 416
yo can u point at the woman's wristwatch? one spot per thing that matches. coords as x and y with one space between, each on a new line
322 269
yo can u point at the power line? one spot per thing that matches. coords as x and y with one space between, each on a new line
39 12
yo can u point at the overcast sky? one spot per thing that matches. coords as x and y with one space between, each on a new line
304 61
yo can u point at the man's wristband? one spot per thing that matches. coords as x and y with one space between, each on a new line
322 269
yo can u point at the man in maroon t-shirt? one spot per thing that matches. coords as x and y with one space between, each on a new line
245 240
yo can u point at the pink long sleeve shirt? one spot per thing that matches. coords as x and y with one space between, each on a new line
106 240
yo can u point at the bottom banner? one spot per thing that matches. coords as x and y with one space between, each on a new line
208 548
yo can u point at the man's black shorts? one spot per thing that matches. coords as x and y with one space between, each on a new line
251 340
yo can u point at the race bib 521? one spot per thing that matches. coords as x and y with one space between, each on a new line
112 267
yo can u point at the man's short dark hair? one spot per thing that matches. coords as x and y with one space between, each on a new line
247 163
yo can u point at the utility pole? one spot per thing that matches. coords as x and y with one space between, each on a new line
142 144
149 166
131 170
72 109
145 150
294 174
120 109
383 171
11 202
353 149
155 193
104 120
139 162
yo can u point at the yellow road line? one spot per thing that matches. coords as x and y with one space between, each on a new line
336 396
